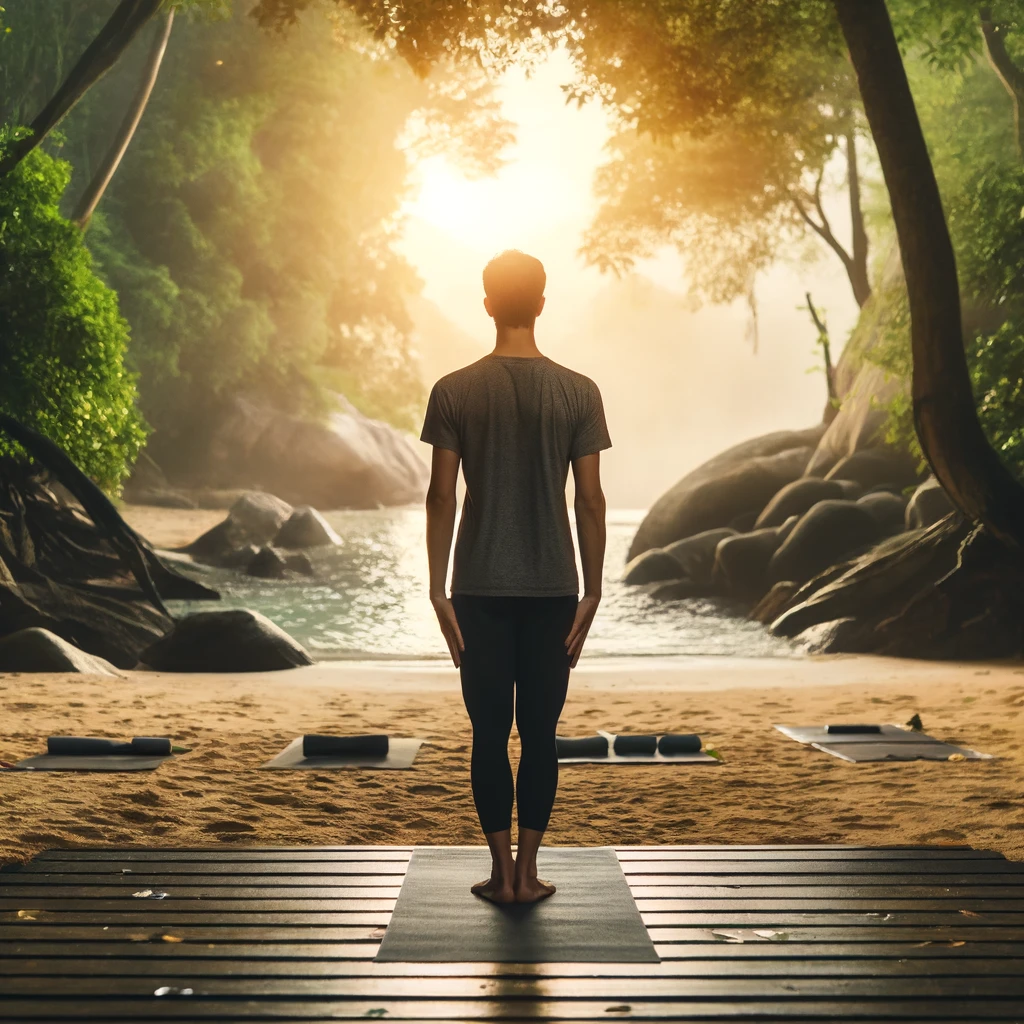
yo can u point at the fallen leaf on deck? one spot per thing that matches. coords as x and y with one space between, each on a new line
171 938
28 915
970 913
621 1008
171 990
149 894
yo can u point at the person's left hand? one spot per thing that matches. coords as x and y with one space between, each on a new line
585 612
445 612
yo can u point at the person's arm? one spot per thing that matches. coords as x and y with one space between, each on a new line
441 505
590 531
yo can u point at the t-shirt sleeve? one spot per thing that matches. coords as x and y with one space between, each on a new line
592 430
440 426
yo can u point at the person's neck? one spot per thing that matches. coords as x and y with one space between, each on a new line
516 341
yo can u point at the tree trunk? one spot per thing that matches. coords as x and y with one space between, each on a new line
945 416
99 57
101 179
858 268
1009 74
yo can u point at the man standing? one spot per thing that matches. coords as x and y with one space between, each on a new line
514 624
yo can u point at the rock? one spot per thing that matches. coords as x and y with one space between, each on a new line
697 553
39 650
253 521
874 466
768 609
796 498
850 488
677 590
147 485
737 482
237 640
827 533
743 523
742 561
347 461
259 516
306 528
267 564
887 508
928 504
298 562
651 567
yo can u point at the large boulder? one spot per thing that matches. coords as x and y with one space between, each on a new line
696 554
39 650
237 640
306 528
887 508
735 483
741 562
877 466
651 567
928 504
252 522
259 516
346 461
796 498
829 532
267 564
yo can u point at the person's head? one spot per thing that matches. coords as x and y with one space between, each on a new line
514 289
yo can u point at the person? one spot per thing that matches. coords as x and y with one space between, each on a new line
514 623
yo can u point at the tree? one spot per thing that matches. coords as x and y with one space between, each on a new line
62 339
945 416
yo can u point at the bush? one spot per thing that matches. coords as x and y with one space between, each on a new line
62 338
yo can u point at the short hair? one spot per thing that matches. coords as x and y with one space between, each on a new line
514 282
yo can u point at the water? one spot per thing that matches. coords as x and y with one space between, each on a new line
369 600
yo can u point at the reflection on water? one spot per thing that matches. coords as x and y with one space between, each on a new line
369 599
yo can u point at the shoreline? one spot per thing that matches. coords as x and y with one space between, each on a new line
769 789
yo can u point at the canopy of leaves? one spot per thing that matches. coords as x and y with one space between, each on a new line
62 339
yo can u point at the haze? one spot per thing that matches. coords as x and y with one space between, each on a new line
679 384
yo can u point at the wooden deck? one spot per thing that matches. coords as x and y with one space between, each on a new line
790 933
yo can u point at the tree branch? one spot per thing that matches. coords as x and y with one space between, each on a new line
99 57
1002 63
112 159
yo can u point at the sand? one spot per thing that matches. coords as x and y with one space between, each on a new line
171 527
768 790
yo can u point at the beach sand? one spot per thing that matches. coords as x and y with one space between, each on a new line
769 789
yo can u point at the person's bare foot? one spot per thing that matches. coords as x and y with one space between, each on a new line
495 891
531 890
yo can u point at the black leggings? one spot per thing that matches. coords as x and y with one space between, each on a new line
514 645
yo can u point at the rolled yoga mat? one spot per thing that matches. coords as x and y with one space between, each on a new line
586 746
635 744
393 752
853 730
679 743
315 745
79 746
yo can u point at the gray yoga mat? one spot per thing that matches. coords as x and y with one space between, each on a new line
401 754
891 743
91 763
590 919
656 758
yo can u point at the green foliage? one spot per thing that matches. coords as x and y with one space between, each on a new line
62 339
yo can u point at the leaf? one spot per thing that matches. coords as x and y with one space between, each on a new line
971 913
957 757
28 915
171 938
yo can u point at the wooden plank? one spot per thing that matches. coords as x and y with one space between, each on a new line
1009 882
636 853
846 891
937 866
484 988
932 1010
785 904
854 933
150 944
28 931
185 966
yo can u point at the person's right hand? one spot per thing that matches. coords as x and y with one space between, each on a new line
445 612
585 612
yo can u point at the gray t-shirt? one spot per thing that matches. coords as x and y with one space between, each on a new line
518 423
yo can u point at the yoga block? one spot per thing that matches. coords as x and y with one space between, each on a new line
315 745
